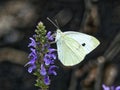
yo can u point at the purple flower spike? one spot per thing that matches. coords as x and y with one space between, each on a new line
47 80
43 70
33 43
42 56
52 70
31 68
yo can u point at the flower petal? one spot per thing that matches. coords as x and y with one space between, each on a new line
49 36
51 50
33 51
31 68
33 43
53 56
32 61
43 70
47 80
52 70
32 55
47 61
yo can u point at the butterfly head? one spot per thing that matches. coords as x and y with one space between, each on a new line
58 34
59 31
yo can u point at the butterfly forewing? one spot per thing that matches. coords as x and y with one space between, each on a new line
88 42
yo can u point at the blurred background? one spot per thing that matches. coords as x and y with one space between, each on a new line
100 18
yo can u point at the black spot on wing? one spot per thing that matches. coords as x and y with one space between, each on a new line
83 44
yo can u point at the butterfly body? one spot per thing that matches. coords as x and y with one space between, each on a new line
72 47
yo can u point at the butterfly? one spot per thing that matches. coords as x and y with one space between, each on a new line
72 47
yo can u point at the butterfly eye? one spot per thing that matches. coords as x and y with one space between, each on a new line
83 44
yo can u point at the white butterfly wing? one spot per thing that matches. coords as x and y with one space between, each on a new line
88 42
70 52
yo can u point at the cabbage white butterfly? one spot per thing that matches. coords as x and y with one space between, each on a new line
72 47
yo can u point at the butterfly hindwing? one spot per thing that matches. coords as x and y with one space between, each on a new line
70 52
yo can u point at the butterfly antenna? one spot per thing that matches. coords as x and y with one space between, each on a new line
52 22
56 22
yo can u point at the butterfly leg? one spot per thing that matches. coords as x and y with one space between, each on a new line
53 42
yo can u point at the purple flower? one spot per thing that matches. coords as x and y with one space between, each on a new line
32 56
31 68
53 56
33 51
47 59
43 70
33 43
52 70
32 61
49 36
47 80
